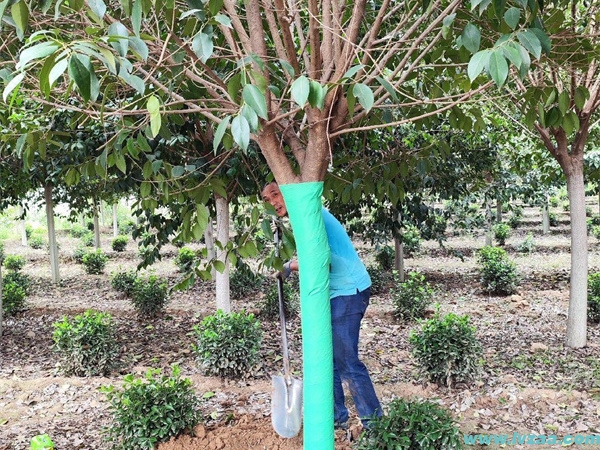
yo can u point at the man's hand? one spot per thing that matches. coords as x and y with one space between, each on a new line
285 272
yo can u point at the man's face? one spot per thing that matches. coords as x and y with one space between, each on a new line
271 194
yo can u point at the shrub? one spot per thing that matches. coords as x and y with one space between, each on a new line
185 259
87 344
411 297
150 410
412 425
78 231
149 296
126 227
552 219
588 211
28 231
514 221
14 263
596 231
528 245
19 278
119 244
411 240
501 232
94 262
37 242
79 253
88 239
594 220
593 302
228 344
554 201
566 206
1 252
498 274
41 442
124 281
13 298
385 258
379 280
269 306
447 349
244 282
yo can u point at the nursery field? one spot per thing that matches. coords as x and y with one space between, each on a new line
530 382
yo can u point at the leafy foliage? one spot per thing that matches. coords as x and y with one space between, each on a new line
269 306
227 345
185 259
501 232
119 244
593 303
94 261
36 242
447 349
243 281
150 410
498 274
412 425
411 297
86 344
14 262
13 298
78 231
528 244
385 257
379 279
411 240
149 296
124 281
20 279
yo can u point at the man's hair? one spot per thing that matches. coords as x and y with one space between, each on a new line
267 184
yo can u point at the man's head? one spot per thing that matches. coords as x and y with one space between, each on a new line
271 194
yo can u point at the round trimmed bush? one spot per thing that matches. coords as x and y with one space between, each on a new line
86 344
94 262
149 296
411 240
411 297
185 259
593 302
447 349
501 232
119 244
412 425
20 279
150 410
385 258
124 281
14 262
37 242
13 298
227 345
498 274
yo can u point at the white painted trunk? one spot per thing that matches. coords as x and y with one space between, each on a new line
222 279
51 234
545 219
1 288
577 318
115 222
96 226
399 258
209 240
488 223
22 226
498 211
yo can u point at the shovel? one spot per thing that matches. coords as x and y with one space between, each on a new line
286 403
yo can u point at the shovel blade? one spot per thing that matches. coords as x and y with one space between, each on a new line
286 406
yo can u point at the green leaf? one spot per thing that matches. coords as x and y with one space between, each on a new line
498 67
554 117
45 86
255 99
300 90
20 15
479 61
221 129
499 6
80 75
512 53
512 17
153 106
178 171
139 47
564 101
223 20
352 71
120 163
251 117
581 95
136 17
215 6
287 67
471 38
12 84
316 96
3 5
203 46
36 52
525 61
98 7
240 129
388 87
364 95
531 42
119 37
543 38
219 266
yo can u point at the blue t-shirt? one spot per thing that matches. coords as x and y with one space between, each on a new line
347 273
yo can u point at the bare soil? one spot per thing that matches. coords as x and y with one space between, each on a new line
531 382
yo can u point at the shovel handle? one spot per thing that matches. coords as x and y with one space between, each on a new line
284 342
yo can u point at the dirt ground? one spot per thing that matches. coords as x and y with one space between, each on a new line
531 382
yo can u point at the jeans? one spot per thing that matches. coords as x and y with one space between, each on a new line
346 313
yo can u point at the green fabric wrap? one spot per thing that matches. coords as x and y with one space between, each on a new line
304 205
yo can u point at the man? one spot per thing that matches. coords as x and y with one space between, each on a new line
350 288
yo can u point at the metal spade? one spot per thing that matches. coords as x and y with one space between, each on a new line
286 402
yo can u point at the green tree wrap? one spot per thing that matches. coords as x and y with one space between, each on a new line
303 202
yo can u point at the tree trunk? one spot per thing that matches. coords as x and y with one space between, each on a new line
488 223
96 225
1 291
498 211
209 240
115 221
222 278
399 258
51 233
22 226
545 216
577 319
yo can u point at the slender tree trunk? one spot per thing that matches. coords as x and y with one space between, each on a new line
1 292
488 223
399 258
96 225
115 221
209 240
545 216
51 233
102 213
222 278
22 226
577 319
498 210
